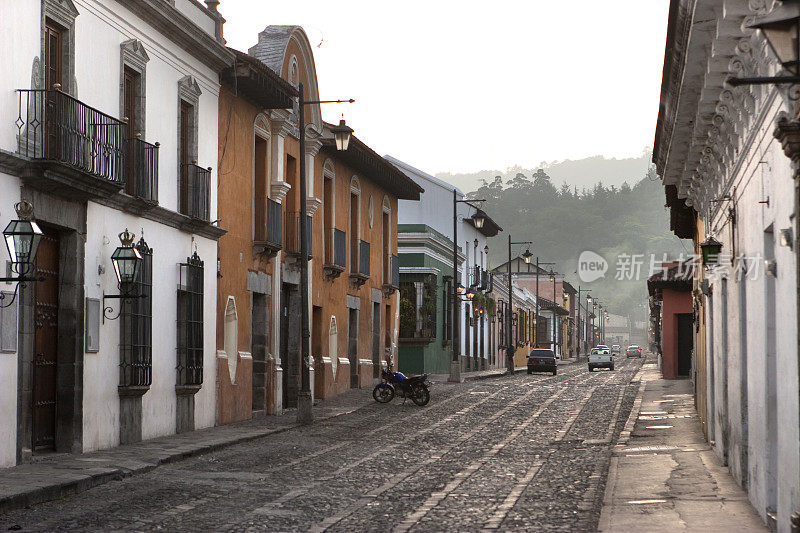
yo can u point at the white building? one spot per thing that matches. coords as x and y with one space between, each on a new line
719 152
108 121
434 210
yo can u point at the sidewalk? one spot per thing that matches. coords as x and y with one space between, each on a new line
57 475
663 475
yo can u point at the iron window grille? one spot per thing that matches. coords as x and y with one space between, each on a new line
136 326
190 322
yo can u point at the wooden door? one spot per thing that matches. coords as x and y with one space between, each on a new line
129 89
45 361
185 125
53 74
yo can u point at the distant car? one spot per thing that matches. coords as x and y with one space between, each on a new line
634 350
603 346
615 348
601 357
542 361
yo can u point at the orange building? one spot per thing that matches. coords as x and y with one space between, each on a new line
352 213
250 210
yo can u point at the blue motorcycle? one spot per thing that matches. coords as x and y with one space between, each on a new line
396 383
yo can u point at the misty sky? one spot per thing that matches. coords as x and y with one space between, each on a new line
462 86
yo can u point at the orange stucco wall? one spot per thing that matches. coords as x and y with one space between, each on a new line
235 208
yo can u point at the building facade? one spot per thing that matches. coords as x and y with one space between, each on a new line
721 152
104 106
426 278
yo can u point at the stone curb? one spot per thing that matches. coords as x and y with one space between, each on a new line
83 482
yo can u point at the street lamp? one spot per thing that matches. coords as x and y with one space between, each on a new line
477 220
526 256
22 237
341 134
552 275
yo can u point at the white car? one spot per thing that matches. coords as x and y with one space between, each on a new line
601 358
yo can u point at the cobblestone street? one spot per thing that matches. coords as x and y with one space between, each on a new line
528 452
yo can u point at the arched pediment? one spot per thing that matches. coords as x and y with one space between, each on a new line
276 47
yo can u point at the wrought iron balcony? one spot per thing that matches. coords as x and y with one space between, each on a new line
291 241
141 170
54 126
336 255
360 275
389 288
195 192
363 258
269 229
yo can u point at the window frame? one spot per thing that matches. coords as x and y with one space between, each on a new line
190 300
136 324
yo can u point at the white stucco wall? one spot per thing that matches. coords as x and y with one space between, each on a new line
19 25
9 194
101 29
740 399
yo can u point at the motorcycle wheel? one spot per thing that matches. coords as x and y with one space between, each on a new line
383 394
420 395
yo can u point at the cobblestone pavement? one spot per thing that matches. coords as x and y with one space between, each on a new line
526 452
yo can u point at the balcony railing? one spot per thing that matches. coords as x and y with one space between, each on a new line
363 258
291 242
339 256
54 126
141 176
194 192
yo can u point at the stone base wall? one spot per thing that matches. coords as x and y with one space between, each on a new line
328 384
234 397
365 373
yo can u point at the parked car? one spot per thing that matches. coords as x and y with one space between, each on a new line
634 350
601 357
542 361
615 348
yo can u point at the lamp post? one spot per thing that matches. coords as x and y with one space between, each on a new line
588 312
535 331
510 348
341 134
552 275
579 317
477 220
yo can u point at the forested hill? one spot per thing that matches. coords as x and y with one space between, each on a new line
577 173
564 221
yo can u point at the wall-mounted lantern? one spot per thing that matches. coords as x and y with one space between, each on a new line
710 248
460 289
127 261
787 238
22 237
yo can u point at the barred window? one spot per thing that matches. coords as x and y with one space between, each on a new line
190 322
136 326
